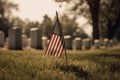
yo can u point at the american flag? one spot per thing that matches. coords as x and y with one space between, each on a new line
56 44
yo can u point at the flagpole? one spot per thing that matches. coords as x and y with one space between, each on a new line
66 58
65 51
63 41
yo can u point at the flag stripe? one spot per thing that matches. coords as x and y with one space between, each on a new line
52 46
54 50
58 48
50 43
61 51
57 41
55 46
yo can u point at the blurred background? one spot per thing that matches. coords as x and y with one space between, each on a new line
96 19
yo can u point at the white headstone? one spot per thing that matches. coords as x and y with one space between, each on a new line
97 44
111 43
77 43
87 43
2 36
115 42
44 42
105 42
68 42
15 39
36 38
24 40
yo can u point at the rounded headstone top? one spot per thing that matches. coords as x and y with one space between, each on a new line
34 29
15 28
87 39
77 38
96 40
67 36
44 37
23 35
110 40
105 39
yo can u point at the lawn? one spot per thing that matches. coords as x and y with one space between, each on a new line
102 64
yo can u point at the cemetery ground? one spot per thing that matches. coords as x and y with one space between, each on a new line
101 64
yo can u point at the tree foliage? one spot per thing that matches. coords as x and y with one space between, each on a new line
80 8
110 17
47 26
6 8
105 15
113 18
28 25
69 26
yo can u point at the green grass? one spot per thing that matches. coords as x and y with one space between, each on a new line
103 64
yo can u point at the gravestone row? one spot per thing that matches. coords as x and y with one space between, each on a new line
17 40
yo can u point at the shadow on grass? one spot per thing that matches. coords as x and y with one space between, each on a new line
112 66
115 67
78 71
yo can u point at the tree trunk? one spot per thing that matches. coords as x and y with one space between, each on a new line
95 33
94 9
112 29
